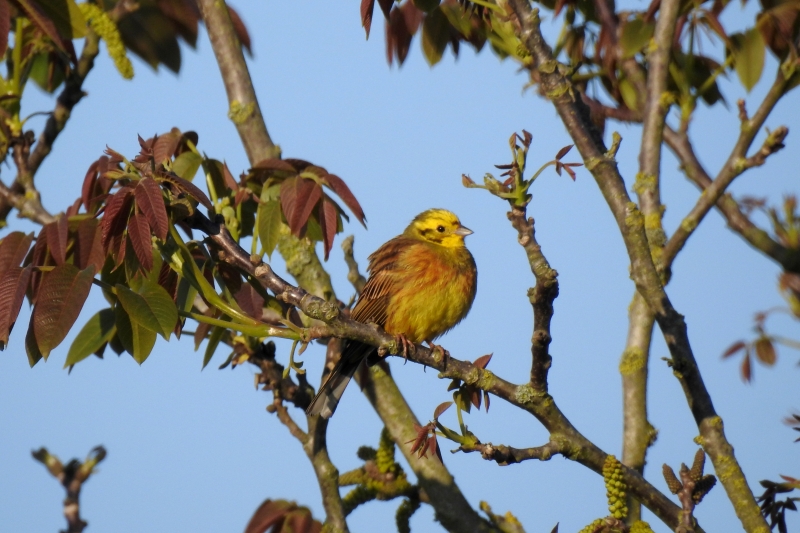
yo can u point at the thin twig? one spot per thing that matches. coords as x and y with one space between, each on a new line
506 455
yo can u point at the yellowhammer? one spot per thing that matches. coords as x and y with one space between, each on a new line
420 285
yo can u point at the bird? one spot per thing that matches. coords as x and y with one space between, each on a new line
421 284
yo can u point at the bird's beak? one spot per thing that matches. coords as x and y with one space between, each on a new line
463 231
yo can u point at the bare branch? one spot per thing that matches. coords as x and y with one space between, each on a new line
541 296
353 275
506 455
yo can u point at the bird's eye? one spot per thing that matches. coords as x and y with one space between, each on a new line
440 229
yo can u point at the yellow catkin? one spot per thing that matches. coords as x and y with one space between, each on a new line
103 26
640 526
593 526
615 487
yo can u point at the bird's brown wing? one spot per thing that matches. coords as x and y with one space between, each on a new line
384 273
372 306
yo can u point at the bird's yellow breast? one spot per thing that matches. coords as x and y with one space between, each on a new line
434 290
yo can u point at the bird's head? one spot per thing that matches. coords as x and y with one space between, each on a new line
438 226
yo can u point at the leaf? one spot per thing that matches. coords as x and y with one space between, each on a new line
139 235
747 369
636 34
93 336
135 338
733 348
268 514
367 7
31 348
57 238
186 165
88 246
341 189
215 178
441 408
54 21
328 222
274 164
5 26
61 298
213 343
250 301
749 51
435 35
398 37
151 202
115 217
13 283
189 188
13 249
152 307
298 198
240 29
765 351
483 361
270 221
564 151
165 145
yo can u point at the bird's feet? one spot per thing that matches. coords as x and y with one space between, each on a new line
437 348
406 346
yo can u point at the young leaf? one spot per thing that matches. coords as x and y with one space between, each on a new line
31 346
61 298
749 52
343 191
441 408
151 203
733 348
13 283
213 342
298 198
367 6
328 218
250 301
269 224
88 246
135 338
483 361
13 249
186 165
139 234
765 351
152 307
115 217
435 35
93 336
189 188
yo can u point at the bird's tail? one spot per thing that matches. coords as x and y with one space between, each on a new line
326 400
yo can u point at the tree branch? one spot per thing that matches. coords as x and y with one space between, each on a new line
541 296
506 455
589 142
244 110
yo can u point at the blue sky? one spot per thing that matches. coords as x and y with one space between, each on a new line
192 450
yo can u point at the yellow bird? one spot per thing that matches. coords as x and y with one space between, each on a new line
421 284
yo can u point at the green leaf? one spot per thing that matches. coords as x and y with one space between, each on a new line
435 35
137 340
629 95
269 223
213 342
749 51
636 34
186 165
152 307
60 300
97 331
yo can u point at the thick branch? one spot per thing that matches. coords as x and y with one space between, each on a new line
574 115
244 110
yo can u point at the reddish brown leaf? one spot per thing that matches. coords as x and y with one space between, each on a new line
13 249
63 293
486 400
74 208
298 198
115 217
267 515
5 26
398 37
328 222
765 351
441 408
189 188
747 369
433 444
41 20
240 29
151 202
229 181
168 279
87 191
301 164
13 283
88 246
483 361
413 16
367 6
474 396
139 234
38 258
250 301
338 186
230 277
57 233
564 151
165 145
386 6
733 348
